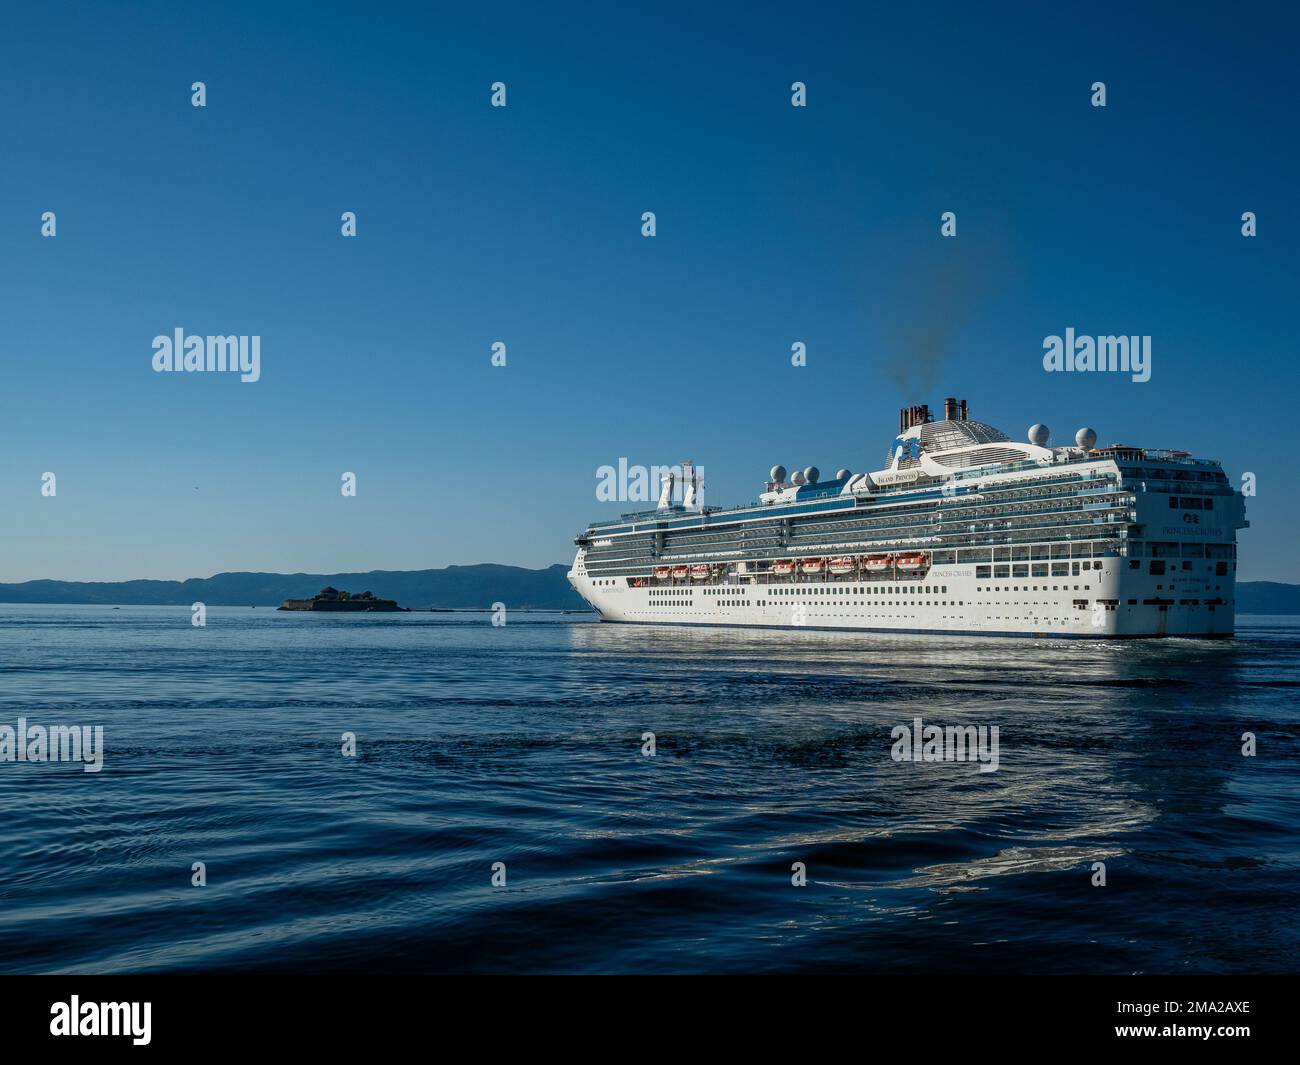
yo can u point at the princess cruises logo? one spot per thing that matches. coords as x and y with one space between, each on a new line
908 449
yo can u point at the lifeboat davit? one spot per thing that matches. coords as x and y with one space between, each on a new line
681 571
812 565
876 563
783 568
910 563
663 572
841 565
700 573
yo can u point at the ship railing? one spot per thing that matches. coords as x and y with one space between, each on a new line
1040 549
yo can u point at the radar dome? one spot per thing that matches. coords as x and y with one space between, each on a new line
811 474
1086 438
778 474
843 475
798 478
1039 434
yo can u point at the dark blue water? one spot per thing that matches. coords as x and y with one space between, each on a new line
522 744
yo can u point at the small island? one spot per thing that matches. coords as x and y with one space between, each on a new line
333 599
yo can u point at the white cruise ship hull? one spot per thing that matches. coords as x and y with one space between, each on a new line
1105 603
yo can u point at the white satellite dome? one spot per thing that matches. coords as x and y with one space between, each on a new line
1086 438
1039 434
798 478
778 474
843 474
811 474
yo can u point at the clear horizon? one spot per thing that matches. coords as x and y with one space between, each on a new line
776 225
285 573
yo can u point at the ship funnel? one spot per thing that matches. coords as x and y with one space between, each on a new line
963 410
950 409
666 492
910 416
690 486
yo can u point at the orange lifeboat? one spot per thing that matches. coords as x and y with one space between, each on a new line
700 573
812 565
783 568
876 563
911 563
841 565
663 572
681 571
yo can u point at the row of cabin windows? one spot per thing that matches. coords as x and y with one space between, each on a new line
1036 569
1157 566
1172 549
914 589
1017 588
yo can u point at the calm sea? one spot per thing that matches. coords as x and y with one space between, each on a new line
523 745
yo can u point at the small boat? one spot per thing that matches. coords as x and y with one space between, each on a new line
639 582
681 571
663 572
876 563
700 573
783 568
812 565
841 565
911 562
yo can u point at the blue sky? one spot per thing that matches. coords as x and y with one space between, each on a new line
522 224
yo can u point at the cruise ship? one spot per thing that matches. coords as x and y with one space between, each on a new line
963 532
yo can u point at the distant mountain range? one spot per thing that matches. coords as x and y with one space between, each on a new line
1268 597
453 587
456 587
